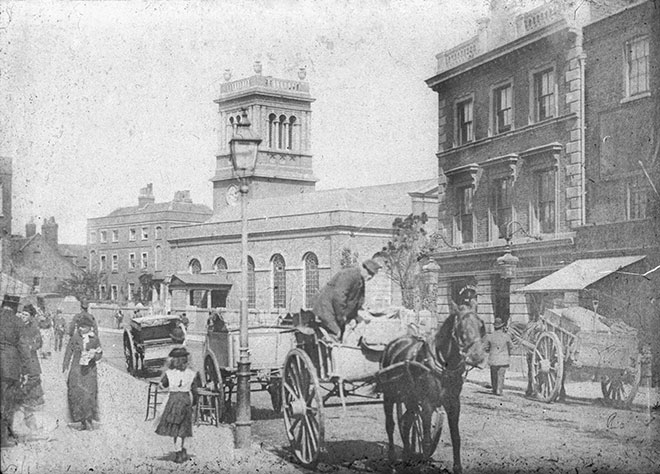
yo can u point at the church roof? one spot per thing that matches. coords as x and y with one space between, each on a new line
150 208
389 199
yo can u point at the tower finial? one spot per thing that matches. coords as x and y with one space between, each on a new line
302 73
257 67
227 75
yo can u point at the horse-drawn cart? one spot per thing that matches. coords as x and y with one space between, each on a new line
148 340
268 348
343 369
575 339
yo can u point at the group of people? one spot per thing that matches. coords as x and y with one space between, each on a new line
23 329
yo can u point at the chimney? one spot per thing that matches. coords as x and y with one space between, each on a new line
49 232
30 229
146 196
182 196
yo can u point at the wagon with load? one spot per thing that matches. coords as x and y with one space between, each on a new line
576 339
149 339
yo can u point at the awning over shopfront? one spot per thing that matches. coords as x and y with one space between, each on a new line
580 274
200 280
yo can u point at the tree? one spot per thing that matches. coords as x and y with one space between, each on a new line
348 258
404 254
146 286
82 285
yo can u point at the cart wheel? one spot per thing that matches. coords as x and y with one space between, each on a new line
213 381
303 413
547 367
128 354
411 427
620 389
275 391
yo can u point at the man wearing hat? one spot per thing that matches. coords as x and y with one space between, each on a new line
499 347
84 305
339 300
14 354
467 294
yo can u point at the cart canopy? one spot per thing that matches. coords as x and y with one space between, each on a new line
580 274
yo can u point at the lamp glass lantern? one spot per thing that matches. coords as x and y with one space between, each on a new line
243 147
507 264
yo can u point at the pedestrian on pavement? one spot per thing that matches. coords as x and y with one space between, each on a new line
499 346
45 322
119 318
14 354
182 383
59 327
32 392
185 320
84 314
339 300
82 380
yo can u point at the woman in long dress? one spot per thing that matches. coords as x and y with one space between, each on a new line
82 352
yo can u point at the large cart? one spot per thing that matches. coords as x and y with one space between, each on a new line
269 346
319 369
148 341
575 339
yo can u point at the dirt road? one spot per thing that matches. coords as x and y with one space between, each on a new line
500 434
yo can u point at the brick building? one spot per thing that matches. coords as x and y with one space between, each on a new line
39 260
511 152
298 237
131 242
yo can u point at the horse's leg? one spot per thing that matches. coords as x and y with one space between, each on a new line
405 425
530 390
453 410
388 406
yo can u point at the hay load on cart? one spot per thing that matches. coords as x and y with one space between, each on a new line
577 340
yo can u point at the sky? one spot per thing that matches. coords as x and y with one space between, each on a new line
97 99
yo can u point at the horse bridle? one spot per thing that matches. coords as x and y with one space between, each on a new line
438 362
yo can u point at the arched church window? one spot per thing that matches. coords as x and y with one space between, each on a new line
220 265
289 142
272 130
195 266
311 278
279 281
281 136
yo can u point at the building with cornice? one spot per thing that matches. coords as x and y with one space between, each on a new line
543 116
129 246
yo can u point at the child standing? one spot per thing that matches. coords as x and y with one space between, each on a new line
499 347
182 382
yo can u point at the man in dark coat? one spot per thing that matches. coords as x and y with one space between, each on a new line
14 354
84 305
339 300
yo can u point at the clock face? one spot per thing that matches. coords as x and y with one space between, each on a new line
231 196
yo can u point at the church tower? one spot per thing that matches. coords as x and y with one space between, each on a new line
280 113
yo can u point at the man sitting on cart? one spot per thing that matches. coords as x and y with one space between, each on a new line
339 300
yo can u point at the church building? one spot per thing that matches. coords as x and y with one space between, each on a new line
298 236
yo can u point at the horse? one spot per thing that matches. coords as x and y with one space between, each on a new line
444 359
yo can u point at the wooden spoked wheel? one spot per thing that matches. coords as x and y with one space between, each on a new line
302 408
547 367
620 388
411 430
213 382
129 354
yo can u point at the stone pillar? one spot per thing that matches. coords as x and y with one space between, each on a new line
575 146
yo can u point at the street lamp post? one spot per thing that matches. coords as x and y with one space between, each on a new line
243 148
508 262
